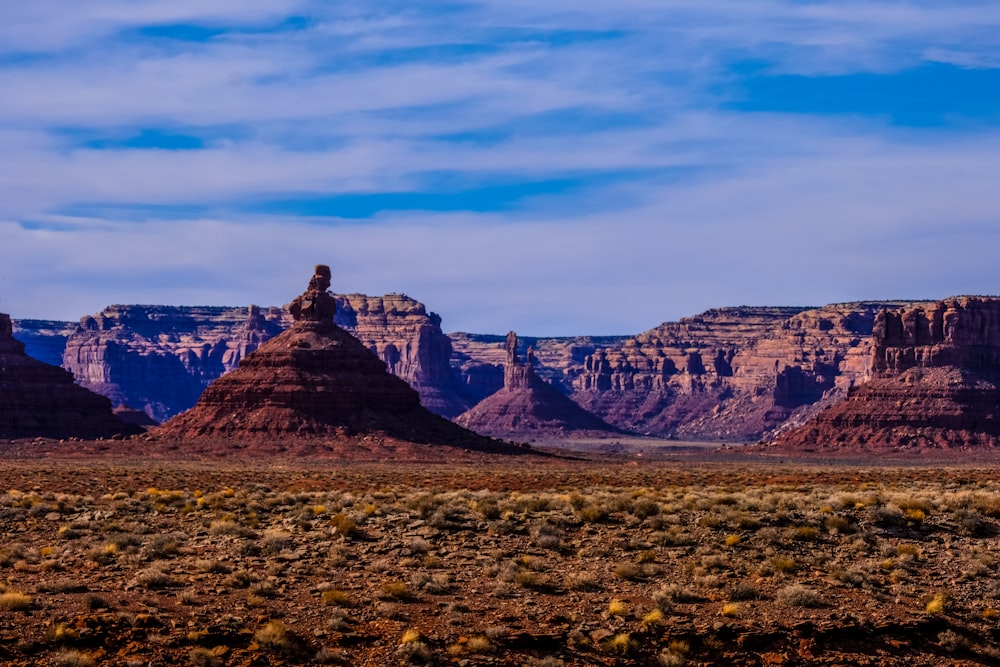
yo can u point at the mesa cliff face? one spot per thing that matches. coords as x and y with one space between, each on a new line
729 373
161 358
961 331
409 340
935 384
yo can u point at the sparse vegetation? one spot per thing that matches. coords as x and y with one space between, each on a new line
376 566
14 601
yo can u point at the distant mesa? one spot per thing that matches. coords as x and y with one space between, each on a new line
935 384
731 374
40 400
527 406
315 380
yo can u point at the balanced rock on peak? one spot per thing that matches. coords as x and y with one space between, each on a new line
315 380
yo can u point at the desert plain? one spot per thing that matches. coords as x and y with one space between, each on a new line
676 558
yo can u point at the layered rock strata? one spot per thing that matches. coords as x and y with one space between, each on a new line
315 380
160 358
41 400
529 407
935 384
729 373
408 339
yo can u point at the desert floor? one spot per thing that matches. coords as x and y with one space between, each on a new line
610 559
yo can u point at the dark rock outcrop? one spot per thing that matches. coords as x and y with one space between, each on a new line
315 380
41 400
139 418
935 384
529 407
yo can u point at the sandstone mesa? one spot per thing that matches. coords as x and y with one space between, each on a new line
935 384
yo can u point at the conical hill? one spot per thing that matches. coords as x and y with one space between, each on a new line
315 380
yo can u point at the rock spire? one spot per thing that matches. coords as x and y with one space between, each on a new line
529 407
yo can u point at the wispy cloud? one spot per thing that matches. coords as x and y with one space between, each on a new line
559 167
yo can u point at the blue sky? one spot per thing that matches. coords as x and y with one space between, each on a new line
557 167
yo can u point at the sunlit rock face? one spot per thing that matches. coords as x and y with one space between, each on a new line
730 373
935 384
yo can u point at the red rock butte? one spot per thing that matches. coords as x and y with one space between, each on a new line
935 384
315 380
39 400
527 406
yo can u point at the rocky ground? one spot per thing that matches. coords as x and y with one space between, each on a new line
497 561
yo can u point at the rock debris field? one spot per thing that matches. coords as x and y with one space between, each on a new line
497 562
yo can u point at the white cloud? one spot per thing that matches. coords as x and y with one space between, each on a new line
864 220
720 208
53 25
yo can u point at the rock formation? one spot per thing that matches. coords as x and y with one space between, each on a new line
478 360
40 400
160 358
729 373
529 407
409 340
315 380
935 383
